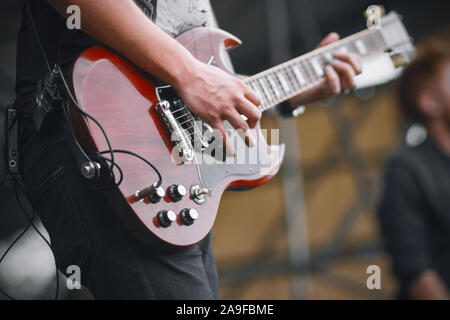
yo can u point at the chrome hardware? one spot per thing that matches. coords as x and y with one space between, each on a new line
178 137
188 132
399 60
373 16
194 125
89 169
198 194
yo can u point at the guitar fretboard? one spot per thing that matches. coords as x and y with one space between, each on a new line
291 78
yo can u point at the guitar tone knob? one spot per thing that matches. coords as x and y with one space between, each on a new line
165 218
176 192
188 216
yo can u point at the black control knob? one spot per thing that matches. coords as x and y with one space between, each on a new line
156 193
165 218
188 216
176 192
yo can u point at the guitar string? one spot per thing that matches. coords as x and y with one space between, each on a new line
266 80
271 79
307 67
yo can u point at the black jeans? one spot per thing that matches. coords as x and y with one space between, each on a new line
84 231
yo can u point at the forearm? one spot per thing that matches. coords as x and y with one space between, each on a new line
122 26
428 286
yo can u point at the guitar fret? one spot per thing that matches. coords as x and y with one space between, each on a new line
317 67
342 49
283 82
292 77
328 56
265 96
380 38
371 39
308 70
266 91
361 47
255 88
300 78
370 42
274 87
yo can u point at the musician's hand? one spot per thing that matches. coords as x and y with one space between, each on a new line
215 96
342 71
340 75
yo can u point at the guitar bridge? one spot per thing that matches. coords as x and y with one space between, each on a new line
188 132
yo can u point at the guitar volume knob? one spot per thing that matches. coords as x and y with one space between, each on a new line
188 216
166 217
156 193
176 192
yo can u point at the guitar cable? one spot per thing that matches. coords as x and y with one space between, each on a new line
84 113
99 155
17 184
110 150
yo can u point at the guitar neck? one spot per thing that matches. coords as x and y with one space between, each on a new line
295 76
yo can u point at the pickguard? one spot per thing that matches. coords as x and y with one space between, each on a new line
249 161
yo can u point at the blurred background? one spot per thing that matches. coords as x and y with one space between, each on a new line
312 231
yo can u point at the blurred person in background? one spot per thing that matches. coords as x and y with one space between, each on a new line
414 211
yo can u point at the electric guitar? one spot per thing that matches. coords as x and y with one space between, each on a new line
150 119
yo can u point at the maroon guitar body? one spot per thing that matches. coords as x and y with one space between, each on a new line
128 105
151 120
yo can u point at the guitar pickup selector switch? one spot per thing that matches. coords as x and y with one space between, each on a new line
198 194
176 192
165 218
188 216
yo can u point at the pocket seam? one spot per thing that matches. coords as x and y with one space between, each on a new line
45 184
37 153
71 207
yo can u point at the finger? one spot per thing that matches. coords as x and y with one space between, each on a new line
346 73
250 111
350 58
229 149
241 126
252 96
330 38
333 80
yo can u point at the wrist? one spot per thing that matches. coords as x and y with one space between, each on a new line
183 72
